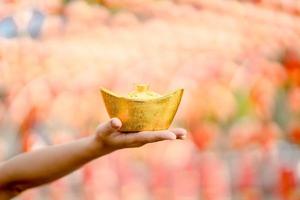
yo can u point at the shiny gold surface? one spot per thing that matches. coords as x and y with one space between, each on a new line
142 109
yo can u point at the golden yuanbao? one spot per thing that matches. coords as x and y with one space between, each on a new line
142 109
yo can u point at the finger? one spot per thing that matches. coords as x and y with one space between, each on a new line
141 138
154 136
179 132
109 127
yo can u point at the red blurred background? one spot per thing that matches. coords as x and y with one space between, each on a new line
239 62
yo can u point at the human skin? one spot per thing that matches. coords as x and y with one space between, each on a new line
48 164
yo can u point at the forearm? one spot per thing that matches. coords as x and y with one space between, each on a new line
47 164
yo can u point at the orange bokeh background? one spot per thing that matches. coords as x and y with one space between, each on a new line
239 62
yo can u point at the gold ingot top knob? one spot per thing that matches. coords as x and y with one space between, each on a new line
142 92
141 88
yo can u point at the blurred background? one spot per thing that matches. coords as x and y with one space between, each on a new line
239 62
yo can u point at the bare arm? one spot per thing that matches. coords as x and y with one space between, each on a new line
45 165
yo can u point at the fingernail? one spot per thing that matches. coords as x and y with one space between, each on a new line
181 132
184 132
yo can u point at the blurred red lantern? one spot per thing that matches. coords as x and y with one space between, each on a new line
294 133
291 62
287 183
262 96
205 135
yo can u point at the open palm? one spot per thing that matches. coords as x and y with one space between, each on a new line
109 135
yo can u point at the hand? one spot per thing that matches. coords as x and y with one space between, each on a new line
111 138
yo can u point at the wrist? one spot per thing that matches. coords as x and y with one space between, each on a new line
98 147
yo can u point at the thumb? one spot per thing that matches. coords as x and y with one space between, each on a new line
114 124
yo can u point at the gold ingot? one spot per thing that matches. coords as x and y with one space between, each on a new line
142 109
